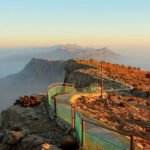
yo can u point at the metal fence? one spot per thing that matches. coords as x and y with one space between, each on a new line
90 134
58 88
103 138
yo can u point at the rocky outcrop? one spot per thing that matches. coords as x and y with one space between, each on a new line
34 78
13 137
79 74
27 101
75 76
29 128
80 79
18 140
141 94
85 73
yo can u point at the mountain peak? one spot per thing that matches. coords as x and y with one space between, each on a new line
68 51
70 46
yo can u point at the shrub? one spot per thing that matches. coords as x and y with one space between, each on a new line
147 75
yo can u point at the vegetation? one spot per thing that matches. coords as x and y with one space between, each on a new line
134 76
122 111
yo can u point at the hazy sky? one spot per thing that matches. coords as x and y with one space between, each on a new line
113 23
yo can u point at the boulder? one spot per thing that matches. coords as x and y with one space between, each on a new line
47 146
13 137
69 143
28 128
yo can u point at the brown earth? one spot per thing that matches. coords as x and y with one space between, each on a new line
124 113
139 79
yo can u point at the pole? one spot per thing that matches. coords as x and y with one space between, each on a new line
131 142
66 88
83 133
149 94
74 89
73 116
102 84
56 89
55 109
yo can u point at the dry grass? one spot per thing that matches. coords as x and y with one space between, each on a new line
124 113
139 79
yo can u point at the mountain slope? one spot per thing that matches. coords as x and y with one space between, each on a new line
34 78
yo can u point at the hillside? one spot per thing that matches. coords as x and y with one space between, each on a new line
122 111
34 78
126 111
30 128
38 74
139 79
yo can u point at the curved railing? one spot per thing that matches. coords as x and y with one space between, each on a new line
59 88
90 133
122 84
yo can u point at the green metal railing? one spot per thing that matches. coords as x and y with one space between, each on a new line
78 126
63 111
91 136
96 136
58 88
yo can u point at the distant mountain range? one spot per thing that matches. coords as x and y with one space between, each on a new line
61 52
13 61
68 51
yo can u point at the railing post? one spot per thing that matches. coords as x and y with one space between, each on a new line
135 145
131 142
83 133
55 107
66 88
48 89
73 116
102 81
74 89
99 148
56 89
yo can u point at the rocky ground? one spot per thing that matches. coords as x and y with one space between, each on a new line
134 76
29 128
84 73
124 113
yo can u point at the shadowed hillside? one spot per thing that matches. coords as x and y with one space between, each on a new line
86 72
34 78
134 76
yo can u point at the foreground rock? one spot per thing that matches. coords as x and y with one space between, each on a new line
29 128
27 101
